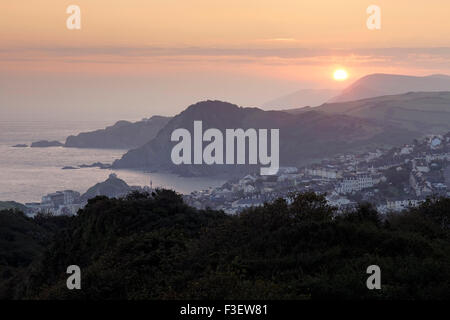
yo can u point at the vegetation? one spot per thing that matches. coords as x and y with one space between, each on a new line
22 240
6 205
156 247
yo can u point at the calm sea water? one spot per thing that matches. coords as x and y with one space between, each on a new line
26 174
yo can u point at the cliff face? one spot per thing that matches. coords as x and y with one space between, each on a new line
303 137
122 135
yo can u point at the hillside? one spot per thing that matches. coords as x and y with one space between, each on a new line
423 112
303 138
22 241
376 85
122 135
301 98
111 187
5 205
157 247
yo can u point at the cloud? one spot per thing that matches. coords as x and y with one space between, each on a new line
294 52
417 58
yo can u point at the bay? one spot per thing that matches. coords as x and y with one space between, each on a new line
26 174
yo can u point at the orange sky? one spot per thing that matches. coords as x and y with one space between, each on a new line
244 51
225 23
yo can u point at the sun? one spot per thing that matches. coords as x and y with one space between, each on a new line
340 75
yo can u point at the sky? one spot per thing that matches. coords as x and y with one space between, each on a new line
136 58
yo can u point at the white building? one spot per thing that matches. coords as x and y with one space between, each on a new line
327 172
287 170
399 205
355 183
406 150
249 189
337 201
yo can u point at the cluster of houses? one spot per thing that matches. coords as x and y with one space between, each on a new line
391 179
66 202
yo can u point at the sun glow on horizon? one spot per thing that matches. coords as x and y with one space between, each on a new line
340 75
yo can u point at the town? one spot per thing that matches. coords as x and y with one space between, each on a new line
68 202
391 179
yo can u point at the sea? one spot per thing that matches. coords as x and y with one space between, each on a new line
27 174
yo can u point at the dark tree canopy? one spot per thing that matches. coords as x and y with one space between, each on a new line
153 246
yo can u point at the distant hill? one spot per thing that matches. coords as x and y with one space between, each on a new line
122 135
5 205
302 98
376 85
421 112
304 137
112 187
